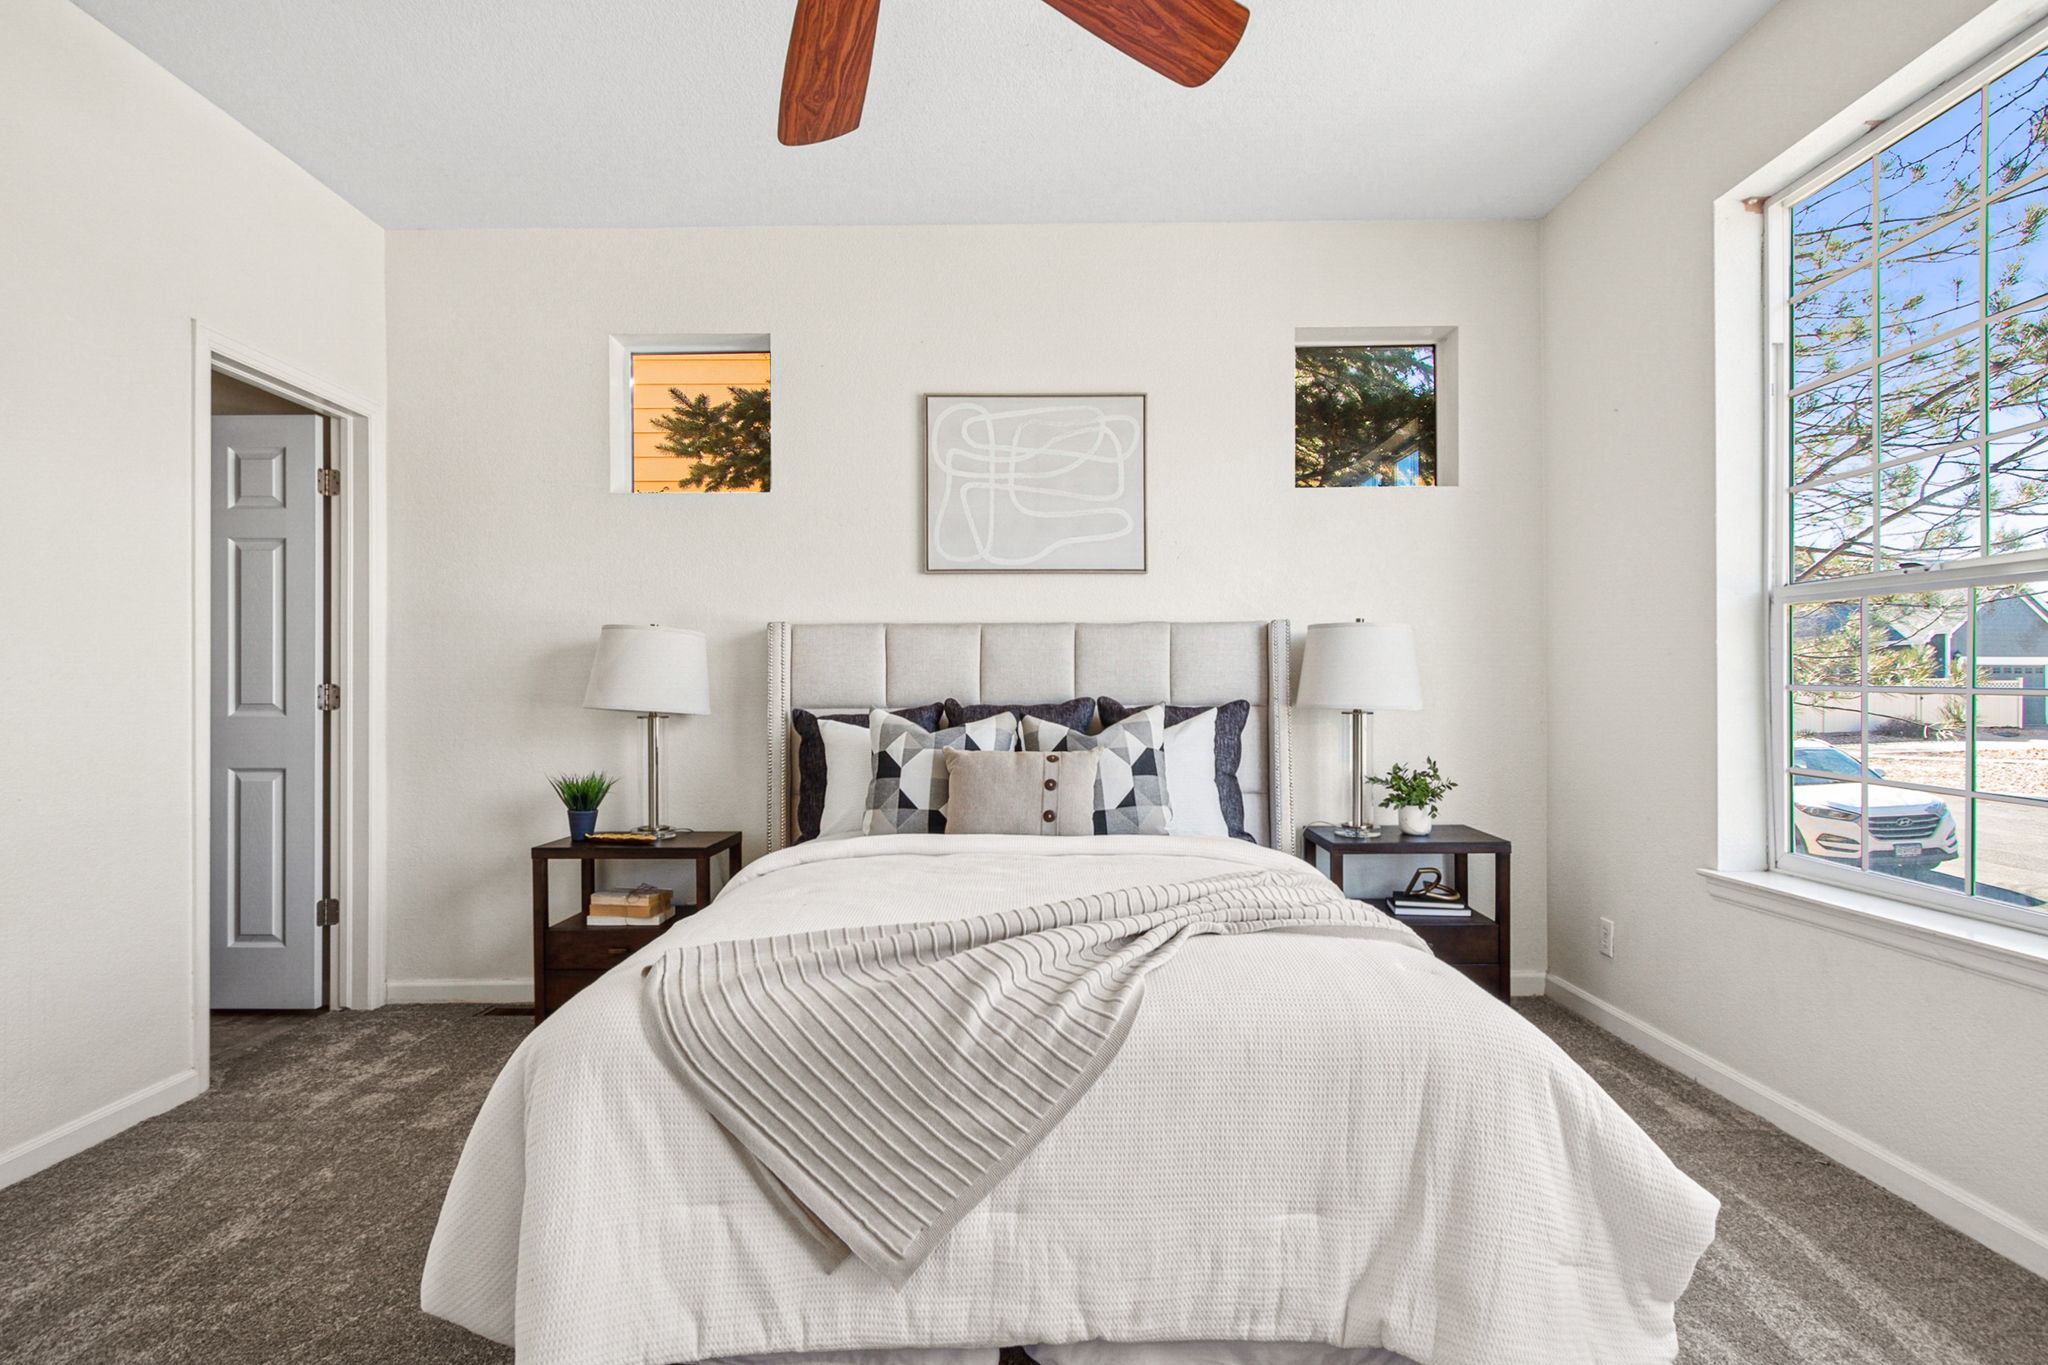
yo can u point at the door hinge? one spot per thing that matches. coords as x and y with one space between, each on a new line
328 481
327 912
328 696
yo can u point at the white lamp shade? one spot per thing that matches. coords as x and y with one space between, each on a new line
658 669
1359 666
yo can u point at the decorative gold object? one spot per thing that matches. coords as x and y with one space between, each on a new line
1428 884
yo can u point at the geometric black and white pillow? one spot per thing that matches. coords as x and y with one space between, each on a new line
908 792
1130 768
1204 747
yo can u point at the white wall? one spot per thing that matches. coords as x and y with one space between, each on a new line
132 207
507 552
1912 1068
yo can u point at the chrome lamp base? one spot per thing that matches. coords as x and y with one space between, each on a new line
1362 825
654 826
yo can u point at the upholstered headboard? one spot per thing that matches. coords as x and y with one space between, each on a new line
856 667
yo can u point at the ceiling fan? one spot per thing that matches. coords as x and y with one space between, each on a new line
825 78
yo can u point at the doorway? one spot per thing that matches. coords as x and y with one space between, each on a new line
286 754
270 909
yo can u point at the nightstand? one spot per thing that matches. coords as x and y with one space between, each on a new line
1479 949
569 954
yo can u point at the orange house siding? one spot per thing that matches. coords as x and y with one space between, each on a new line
713 375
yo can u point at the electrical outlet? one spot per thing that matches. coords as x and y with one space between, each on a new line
1607 938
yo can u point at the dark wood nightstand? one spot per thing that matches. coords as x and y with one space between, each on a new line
569 955
1479 949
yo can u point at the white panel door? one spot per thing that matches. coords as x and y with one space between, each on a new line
267 759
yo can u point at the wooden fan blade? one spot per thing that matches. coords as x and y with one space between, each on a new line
1183 40
825 76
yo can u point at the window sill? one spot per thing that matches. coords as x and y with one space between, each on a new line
1994 950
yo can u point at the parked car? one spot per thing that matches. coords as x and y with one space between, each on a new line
1903 830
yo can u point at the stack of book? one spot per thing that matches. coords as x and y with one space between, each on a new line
629 907
1425 908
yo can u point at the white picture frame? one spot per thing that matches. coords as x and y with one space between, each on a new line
1035 483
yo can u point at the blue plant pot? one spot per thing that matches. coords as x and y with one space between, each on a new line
581 822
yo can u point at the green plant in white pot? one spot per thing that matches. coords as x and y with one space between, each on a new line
1418 793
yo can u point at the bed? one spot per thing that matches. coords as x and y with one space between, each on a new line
1309 1149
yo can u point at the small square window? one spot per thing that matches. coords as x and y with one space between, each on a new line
691 415
1366 415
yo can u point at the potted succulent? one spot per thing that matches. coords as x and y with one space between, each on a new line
582 796
1418 792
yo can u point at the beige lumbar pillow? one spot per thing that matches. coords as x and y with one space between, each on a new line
1012 793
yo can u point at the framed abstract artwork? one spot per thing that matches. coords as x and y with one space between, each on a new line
1051 483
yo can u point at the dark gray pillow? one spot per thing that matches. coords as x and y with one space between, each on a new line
1078 714
1230 719
810 759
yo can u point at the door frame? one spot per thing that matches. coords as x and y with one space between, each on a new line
356 634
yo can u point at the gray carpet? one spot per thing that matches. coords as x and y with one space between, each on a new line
283 1216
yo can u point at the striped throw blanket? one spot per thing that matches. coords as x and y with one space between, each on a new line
887 1077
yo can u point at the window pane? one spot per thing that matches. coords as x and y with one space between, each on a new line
2019 121
1831 529
1930 173
1915 835
1827 821
1831 229
2019 256
2019 369
1831 427
701 422
2019 492
1933 284
1827 737
2010 635
1929 398
1914 639
2012 853
2012 744
1826 643
1831 326
1918 737
1364 416
1928 508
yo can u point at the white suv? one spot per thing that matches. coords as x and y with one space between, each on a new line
1906 830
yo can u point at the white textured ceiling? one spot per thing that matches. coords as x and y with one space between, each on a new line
645 113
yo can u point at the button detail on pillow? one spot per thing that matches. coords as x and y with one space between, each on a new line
1019 793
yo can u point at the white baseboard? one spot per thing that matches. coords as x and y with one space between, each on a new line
1528 983
454 991
1957 1207
24 1159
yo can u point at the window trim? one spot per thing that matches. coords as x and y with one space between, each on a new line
623 347
2004 953
1779 592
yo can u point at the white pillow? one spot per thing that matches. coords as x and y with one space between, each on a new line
848 770
1191 777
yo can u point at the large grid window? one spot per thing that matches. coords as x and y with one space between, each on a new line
1910 583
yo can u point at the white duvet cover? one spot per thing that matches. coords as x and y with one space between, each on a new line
1303 1139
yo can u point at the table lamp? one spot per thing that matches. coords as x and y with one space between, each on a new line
1359 667
652 671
